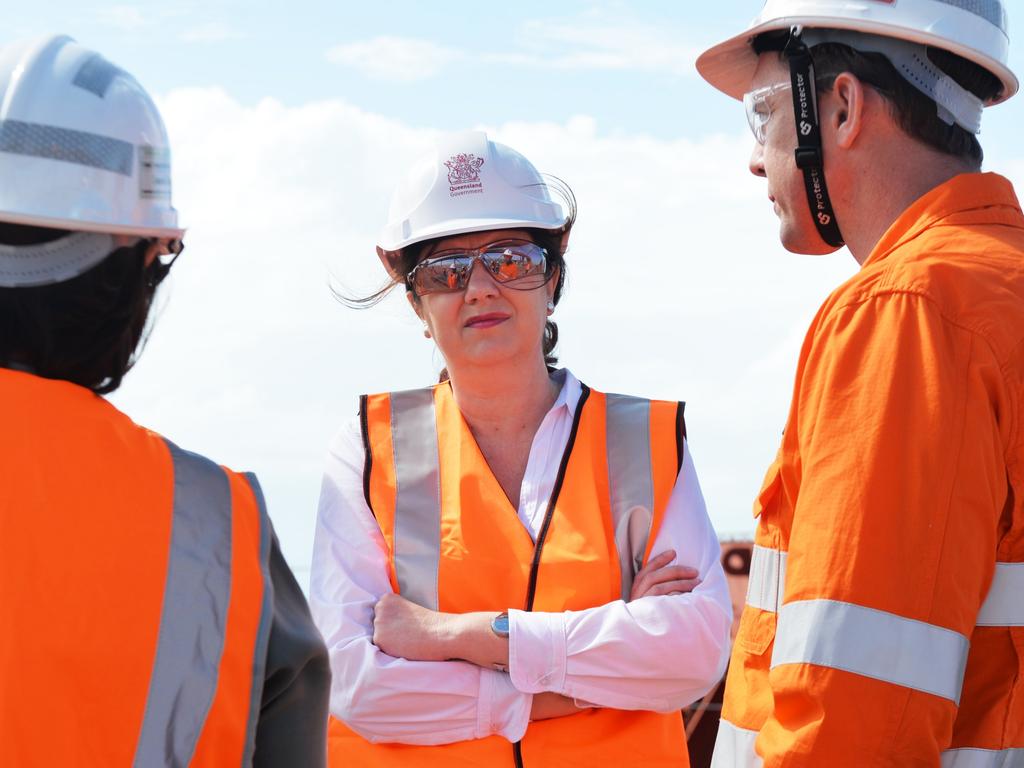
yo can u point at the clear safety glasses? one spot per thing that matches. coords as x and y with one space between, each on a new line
759 112
519 265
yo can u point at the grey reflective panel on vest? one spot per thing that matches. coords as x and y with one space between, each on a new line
49 141
417 496
630 481
266 619
194 616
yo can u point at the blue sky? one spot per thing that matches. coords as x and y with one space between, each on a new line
290 125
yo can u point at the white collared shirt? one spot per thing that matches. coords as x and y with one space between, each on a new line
655 653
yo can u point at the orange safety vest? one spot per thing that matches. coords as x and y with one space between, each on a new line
134 590
457 545
884 623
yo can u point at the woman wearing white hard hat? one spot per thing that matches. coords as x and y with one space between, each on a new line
149 617
497 561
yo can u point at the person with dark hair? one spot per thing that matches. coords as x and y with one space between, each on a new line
497 567
884 624
149 618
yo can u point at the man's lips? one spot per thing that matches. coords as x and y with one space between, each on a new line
488 320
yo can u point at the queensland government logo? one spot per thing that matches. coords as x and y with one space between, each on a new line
464 175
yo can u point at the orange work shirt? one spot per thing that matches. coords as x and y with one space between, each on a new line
884 624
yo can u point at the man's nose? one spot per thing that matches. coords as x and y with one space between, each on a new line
756 164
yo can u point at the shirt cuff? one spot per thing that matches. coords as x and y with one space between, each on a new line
536 651
501 710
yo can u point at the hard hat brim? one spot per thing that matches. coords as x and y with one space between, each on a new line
78 225
729 66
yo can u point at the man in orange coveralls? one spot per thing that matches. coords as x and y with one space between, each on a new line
885 619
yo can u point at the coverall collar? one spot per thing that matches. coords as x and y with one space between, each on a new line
985 197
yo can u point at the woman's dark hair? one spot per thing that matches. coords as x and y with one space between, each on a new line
85 330
915 113
549 240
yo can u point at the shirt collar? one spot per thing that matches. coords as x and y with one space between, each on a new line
569 394
978 197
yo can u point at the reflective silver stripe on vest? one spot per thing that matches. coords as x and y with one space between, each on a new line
972 757
1004 605
194 615
630 481
259 662
417 496
767 582
734 747
872 643
49 141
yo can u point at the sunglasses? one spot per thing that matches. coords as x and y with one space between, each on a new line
522 266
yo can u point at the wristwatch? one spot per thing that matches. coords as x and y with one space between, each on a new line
499 624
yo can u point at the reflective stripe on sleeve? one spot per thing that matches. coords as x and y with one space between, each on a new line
734 747
630 480
767 578
872 643
1004 605
194 614
971 757
417 496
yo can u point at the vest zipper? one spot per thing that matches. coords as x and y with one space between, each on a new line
531 590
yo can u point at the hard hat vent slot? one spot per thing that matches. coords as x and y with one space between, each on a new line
49 141
96 75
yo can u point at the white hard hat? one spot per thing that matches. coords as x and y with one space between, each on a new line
973 29
467 184
82 145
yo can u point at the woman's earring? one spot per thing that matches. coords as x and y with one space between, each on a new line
551 307
426 332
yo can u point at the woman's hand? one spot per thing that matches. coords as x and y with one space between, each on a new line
404 629
660 578
410 631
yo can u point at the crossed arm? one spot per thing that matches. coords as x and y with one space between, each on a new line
657 652
406 630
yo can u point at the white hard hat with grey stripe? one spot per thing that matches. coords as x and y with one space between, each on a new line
466 184
82 148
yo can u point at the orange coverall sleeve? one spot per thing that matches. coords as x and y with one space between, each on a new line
901 470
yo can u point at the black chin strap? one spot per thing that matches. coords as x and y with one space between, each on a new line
809 156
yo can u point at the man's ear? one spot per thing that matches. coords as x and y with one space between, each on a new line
848 109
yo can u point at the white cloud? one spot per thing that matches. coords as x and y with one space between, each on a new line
394 58
677 289
210 32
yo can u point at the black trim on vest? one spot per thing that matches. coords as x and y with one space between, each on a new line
680 434
531 590
364 428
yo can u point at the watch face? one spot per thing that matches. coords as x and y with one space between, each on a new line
499 625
